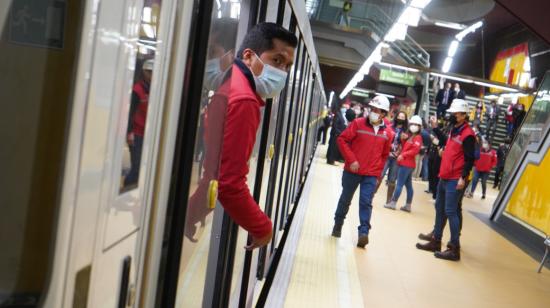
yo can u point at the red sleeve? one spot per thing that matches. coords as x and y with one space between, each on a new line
241 124
344 141
387 148
493 159
413 149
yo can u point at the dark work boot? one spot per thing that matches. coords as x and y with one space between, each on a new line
433 245
362 241
452 253
337 230
426 236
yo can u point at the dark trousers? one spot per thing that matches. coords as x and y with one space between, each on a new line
333 153
447 208
434 163
350 182
135 159
483 176
498 175
322 134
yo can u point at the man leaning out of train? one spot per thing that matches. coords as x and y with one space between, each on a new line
259 72
365 145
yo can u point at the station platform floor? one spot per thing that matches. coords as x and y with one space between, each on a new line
391 272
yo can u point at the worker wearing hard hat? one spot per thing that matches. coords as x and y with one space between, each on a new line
457 161
365 145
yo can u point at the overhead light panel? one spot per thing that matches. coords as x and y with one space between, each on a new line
447 64
450 25
386 95
469 30
453 77
495 86
453 48
397 32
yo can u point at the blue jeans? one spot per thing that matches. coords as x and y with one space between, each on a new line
510 128
391 168
350 181
425 172
135 159
404 178
446 207
480 175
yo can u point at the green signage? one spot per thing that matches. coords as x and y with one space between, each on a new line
403 78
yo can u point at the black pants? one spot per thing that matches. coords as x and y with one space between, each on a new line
434 163
333 153
322 134
498 174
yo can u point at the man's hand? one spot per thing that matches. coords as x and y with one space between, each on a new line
404 136
354 167
400 158
130 139
260 242
461 183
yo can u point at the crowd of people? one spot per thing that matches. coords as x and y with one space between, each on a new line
377 142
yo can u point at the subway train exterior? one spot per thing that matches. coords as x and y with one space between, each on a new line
74 230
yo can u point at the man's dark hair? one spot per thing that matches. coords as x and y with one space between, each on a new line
260 38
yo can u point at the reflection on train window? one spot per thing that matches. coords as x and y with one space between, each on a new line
219 59
35 92
139 102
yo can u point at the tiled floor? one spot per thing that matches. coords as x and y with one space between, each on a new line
391 272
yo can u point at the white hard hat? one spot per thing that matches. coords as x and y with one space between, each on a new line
148 65
416 120
380 102
459 105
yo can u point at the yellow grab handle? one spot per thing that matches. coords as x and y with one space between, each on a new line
271 151
290 137
300 131
212 194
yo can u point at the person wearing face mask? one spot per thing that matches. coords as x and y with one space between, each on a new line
259 72
365 145
457 161
399 126
411 144
339 123
443 99
458 93
487 161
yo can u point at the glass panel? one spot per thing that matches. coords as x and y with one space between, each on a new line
137 111
533 128
39 49
196 246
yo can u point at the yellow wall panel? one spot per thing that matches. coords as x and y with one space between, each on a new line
530 201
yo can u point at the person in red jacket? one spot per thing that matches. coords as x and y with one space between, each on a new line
365 145
412 142
457 161
136 122
487 161
232 119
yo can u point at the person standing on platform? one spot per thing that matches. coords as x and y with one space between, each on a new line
487 161
365 145
399 126
501 159
339 123
443 99
323 128
412 142
492 114
456 163
458 93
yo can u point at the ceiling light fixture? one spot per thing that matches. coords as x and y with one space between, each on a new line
453 77
489 85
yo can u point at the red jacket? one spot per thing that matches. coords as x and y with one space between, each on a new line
360 143
231 121
487 160
241 124
411 147
452 160
140 115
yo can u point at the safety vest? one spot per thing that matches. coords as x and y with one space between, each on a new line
452 160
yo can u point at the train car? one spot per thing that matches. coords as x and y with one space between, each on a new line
102 210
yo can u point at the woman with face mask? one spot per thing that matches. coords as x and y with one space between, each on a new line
400 124
411 144
487 161
339 123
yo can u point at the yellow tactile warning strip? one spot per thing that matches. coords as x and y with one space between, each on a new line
391 272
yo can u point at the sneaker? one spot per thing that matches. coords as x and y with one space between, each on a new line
483 197
469 195
406 208
337 231
363 240
390 205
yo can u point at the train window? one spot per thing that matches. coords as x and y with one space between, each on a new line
39 50
139 100
225 23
